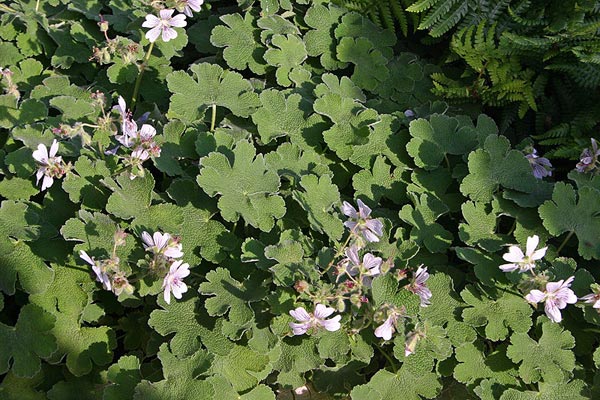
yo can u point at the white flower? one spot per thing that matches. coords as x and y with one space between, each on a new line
388 327
50 165
101 276
163 25
419 287
191 5
556 297
520 261
160 243
369 228
316 321
173 282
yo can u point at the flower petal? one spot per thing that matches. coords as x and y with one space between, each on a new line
532 242
322 311
53 148
349 210
514 255
300 314
168 34
166 13
150 22
535 296
332 324
86 258
153 34
178 21
41 154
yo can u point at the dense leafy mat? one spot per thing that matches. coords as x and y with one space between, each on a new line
269 199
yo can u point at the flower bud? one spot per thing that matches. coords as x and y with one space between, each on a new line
119 237
301 286
103 24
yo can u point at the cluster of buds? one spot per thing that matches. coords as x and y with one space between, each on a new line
127 50
50 166
108 271
588 160
11 87
140 142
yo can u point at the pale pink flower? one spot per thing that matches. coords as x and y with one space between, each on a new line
370 264
101 276
163 25
162 243
318 320
173 282
592 298
556 297
369 228
189 6
51 166
419 287
523 262
128 125
388 327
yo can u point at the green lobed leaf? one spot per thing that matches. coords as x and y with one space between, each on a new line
318 199
574 212
246 186
550 359
209 85
27 342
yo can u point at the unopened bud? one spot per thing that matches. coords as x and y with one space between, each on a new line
119 237
301 286
103 24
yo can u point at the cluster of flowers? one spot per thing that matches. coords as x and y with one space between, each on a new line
588 161
555 295
354 276
164 260
139 140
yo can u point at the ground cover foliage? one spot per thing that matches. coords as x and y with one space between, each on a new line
278 200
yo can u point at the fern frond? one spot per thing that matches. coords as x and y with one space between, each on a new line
436 14
450 21
421 6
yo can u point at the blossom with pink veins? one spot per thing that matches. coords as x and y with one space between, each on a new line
371 229
523 262
163 25
316 320
51 166
173 282
556 296
419 287
162 243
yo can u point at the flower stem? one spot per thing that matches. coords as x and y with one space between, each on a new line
213 117
564 242
37 5
389 359
338 253
138 81
7 8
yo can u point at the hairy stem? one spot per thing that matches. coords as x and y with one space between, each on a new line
564 242
389 359
138 81
213 117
